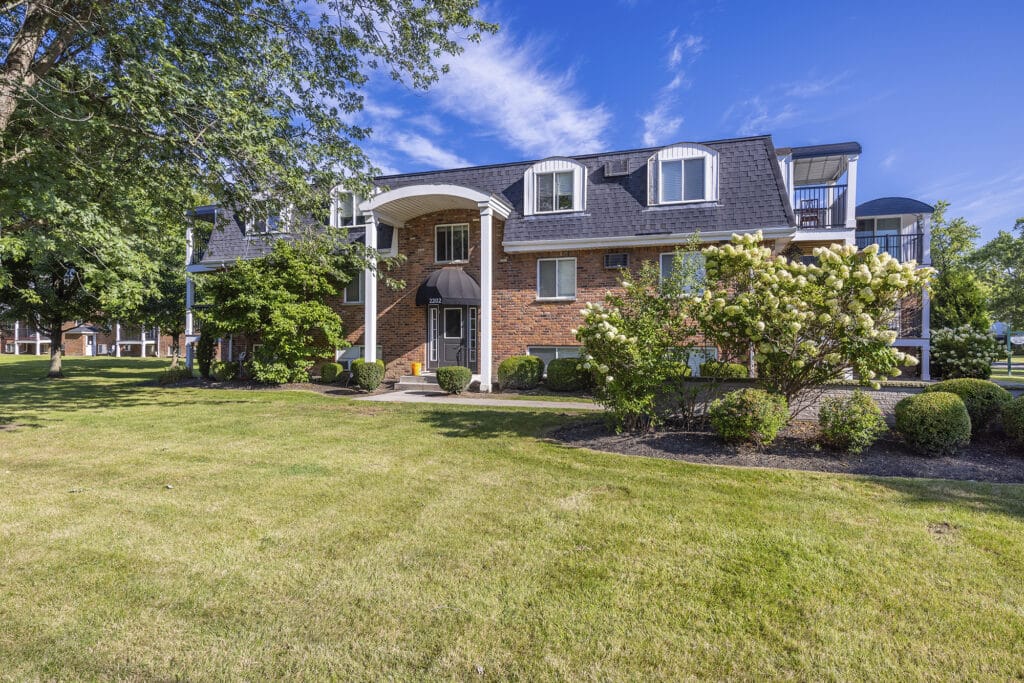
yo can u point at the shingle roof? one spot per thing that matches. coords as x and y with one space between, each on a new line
891 206
751 196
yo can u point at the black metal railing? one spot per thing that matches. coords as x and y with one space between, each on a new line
820 206
909 247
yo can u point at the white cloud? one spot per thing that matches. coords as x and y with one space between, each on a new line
755 116
889 160
813 87
423 150
661 123
660 126
501 84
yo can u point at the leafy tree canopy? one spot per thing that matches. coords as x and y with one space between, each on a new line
1000 264
952 240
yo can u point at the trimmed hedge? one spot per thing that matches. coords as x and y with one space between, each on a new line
749 416
223 371
205 349
933 423
984 400
367 376
850 423
173 376
330 372
454 379
566 374
721 370
1013 419
520 372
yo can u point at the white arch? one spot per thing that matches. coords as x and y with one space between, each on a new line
412 198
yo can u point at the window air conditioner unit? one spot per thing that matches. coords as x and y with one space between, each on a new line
616 260
616 167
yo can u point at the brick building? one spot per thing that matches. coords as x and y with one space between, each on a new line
499 259
87 339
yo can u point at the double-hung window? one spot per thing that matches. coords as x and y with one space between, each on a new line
682 180
347 211
451 243
686 265
354 290
554 192
556 278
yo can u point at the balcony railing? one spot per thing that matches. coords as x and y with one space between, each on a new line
909 247
820 206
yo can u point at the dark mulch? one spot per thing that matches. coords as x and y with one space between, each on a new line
992 457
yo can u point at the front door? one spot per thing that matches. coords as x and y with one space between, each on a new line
451 336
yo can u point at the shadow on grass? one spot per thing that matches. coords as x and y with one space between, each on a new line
28 396
1006 499
462 422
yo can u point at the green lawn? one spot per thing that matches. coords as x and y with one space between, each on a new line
1000 375
311 537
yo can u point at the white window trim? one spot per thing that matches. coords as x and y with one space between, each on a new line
555 165
682 177
554 192
575 284
702 283
361 279
452 225
682 152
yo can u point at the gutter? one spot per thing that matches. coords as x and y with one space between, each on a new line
638 240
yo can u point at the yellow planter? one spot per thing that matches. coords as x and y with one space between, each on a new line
417 368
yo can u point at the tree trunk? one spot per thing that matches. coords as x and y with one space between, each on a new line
15 73
56 341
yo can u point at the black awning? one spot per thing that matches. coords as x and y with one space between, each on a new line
451 286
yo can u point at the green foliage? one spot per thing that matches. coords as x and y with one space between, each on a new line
632 342
566 374
205 349
454 379
1000 265
953 240
282 298
850 423
984 400
959 300
1013 419
808 324
723 370
933 423
964 352
173 376
749 416
368 376
520 372
223 371
331 372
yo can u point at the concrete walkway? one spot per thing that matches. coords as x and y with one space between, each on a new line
441 398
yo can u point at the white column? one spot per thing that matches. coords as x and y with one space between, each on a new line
370 295
486 284
16 341
156 343
142 339
117 340
851 192
39 344
190 295
926 333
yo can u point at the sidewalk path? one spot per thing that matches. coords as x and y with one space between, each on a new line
442 398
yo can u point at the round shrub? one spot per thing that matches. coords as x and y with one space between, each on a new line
933 423
850 423
984 400
330 372
223 371
566 374
367 376
1013 419
454 379
749 416
520 372
722 370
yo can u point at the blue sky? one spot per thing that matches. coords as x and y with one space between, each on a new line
933 91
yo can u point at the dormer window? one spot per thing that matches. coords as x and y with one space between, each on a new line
554 186
348 214
683 173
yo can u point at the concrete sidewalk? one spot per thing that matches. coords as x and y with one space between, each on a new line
441 398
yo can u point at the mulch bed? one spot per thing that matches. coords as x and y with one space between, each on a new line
992 457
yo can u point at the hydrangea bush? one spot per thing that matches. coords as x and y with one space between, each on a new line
964 352
807 324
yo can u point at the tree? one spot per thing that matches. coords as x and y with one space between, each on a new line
808 324
952 240
251 98
282 299
1001 267
959 299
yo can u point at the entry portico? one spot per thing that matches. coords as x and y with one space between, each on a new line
395 208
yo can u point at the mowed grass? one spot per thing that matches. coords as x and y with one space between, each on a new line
311 537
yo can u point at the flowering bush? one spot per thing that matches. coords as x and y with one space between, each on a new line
808 324
964 352
632 345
